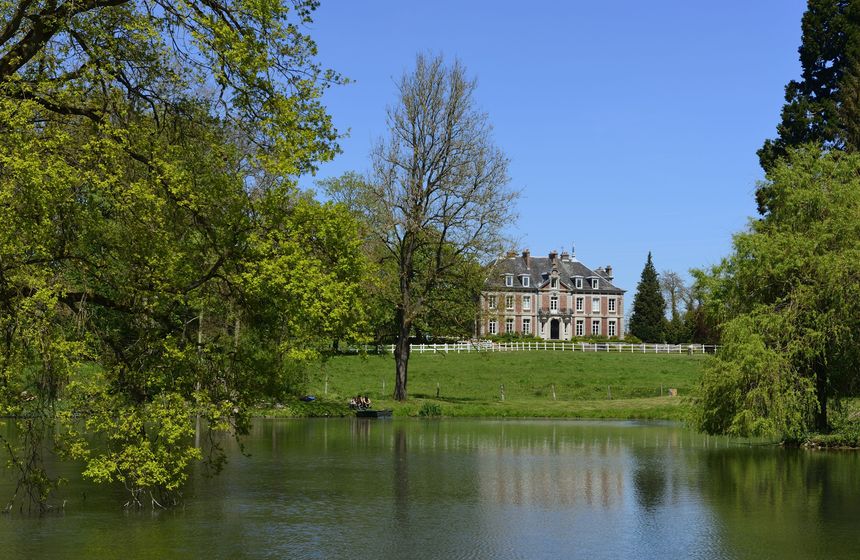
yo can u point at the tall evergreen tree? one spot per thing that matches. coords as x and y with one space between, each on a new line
823 107
647 321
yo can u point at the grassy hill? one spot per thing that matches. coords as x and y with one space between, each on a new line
585 384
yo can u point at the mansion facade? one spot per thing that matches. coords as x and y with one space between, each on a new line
554 298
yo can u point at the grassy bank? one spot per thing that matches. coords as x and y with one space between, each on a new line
534 384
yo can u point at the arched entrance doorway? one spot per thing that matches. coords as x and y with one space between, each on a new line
553 329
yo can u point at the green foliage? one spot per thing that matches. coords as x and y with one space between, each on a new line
750 389
647 321
823 107
677 330
429 409
845 420
790 304
320 408
703 311
152 239
146 448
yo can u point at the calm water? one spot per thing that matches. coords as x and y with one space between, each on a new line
456 489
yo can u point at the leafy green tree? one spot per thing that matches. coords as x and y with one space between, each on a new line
647 321
701 314
790 304
824 106
157 263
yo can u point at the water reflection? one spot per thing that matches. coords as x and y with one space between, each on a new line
809 499
401 475
554 473
477 489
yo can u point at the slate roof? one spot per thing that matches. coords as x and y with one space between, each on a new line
538 270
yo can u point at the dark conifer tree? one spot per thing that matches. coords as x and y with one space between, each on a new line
824 106
648 322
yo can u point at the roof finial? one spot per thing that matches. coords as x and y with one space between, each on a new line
573 251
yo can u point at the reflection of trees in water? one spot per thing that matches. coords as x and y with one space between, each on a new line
660 475
784 477
650 477
800 503
401 474
360 429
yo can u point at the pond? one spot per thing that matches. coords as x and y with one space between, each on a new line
452 489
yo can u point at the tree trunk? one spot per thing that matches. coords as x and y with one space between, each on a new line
821 394
401 356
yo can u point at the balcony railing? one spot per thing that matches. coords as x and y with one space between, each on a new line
560 312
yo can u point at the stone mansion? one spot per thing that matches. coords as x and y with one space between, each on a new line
554 297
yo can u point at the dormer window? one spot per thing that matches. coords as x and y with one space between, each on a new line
526 281
509 280
578 282
595 283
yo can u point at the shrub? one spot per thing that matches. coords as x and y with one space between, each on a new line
429 409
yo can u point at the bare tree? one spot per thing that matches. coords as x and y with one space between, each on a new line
440 189
674 291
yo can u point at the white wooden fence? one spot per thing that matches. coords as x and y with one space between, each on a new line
556 346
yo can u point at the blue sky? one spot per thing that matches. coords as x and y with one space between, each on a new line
631 126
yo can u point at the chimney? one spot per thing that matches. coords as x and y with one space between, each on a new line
565 256
527 258
511 254
553 255
609 272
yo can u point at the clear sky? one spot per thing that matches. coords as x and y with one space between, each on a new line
631 125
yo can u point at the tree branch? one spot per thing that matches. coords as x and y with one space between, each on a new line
46 24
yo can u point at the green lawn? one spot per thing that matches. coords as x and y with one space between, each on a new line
469 384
